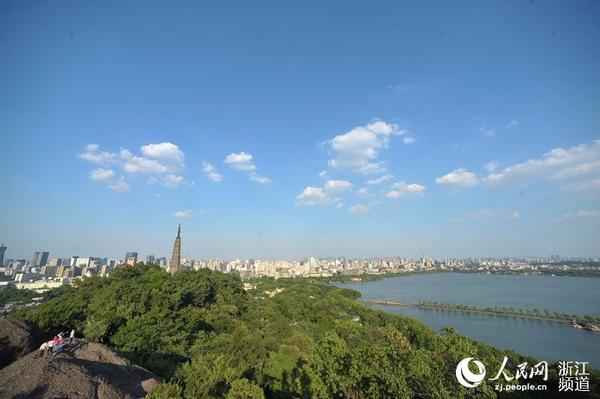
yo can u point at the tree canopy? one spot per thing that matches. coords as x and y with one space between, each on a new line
208 337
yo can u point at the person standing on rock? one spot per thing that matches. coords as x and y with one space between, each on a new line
71 336
42 350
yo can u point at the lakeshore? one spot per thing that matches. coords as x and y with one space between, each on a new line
585 324
476 305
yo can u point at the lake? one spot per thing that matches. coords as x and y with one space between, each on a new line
545 340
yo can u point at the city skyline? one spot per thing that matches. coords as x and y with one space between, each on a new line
441 130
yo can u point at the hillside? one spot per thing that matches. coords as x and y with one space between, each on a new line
208 337
84 370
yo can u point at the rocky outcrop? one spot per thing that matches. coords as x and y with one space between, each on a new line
17 338
82 370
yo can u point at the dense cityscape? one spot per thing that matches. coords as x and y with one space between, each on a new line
42 272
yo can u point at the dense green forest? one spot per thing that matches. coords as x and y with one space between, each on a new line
208 337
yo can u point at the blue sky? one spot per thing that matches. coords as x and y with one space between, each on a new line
260 126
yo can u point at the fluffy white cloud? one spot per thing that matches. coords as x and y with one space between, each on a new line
211 172
260 179
558 162
315 196
171 181
358 150
323 196
101 174
360 208
162 161
184 214
242 161
323 174
134 164
92 154
337 185
107 176
379 180
168 152
458 178
401 190
119 185
585 214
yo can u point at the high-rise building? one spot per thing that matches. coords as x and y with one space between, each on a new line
2 250
55 262
39 259
132 255
175 264
150 259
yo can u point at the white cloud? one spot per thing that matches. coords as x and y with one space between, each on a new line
323 196
578 170
402 190
92 154
513 216
260 179
458 178
337 185
323 174
361 208
491 166
119 185
587 185
134 164
171 181
184 214
101 174
162 161
511 124
167 153
379 180
559 162
358 150
585 214
211 172
315 196
242 161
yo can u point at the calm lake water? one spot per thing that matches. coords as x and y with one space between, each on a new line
545 340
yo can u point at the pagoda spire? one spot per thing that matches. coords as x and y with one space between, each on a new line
175 264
